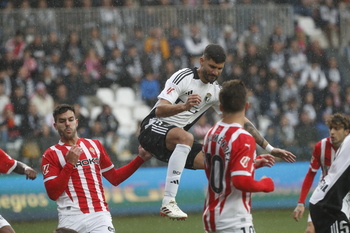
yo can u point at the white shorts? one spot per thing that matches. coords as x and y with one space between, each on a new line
99 222
3 222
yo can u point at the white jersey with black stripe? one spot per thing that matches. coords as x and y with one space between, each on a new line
177 89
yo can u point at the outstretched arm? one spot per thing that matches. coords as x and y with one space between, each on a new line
23 169
117 176
283 154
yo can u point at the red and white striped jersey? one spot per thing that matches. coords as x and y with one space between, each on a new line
84 193
229 151
7 164
322 156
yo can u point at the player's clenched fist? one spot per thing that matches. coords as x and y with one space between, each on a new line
193 99
74 154
30 173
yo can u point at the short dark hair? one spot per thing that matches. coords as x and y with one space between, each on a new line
338 119
215 52
233 96
62 108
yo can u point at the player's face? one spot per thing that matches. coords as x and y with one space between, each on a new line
210 70
337 134
66 125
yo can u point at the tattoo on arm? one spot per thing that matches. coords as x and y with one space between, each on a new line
255 133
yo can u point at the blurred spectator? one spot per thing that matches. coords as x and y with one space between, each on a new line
37 51
20 101
43 101
61 95
93 64
167 71
4 99
253 80
115 70
332 71
176 39
133 66
289 90
45 17
314 52
73 81
153 61
157 38
252 57
302 39
16 45
286 133
52 43
27 20
179 57
9 127
296 59
150 88
321 126
327 18
195 42
110 17
334 90
315 74
55 64
272 136
254 36
137 39
270 101
89 86
306 136
253 112
73 48
292 112
276 60
31 123
95 42
5 79
109 124
346 104
236 73
30 63
47 138
278 36
229 40
84 122
308 106
114 41
24 79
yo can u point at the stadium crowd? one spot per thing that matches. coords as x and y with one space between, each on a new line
294 84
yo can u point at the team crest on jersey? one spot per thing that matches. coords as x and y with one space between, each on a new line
45 169
92 150
207 97
244 161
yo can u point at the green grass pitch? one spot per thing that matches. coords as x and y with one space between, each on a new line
265 221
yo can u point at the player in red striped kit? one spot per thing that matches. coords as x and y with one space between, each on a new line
8 165
73 171
230 161
322 157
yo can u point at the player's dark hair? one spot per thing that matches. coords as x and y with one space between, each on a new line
233 96
338 119
62 108
215 52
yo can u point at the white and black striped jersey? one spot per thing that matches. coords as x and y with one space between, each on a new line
332 189
177 89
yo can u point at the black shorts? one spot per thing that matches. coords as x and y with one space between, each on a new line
153 139
328 221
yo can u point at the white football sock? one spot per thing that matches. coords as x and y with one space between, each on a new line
176 166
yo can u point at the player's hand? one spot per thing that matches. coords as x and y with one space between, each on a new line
74 154
283 154
298 212
265 160
145 155
193 99
30 173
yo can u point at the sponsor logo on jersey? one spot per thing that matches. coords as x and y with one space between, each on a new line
86 162
170 89
244 161
207 97
45 169
176 172
92 150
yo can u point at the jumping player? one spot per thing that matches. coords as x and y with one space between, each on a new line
188 94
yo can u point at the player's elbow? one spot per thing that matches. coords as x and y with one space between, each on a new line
53 196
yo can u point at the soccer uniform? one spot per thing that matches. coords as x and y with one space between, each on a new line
326 201
229 151
83 191
322 157
7 164
177 89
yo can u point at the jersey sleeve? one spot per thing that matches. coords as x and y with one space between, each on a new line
174 86
243 155
315 162
7 164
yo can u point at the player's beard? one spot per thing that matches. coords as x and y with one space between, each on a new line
68 136
210 77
